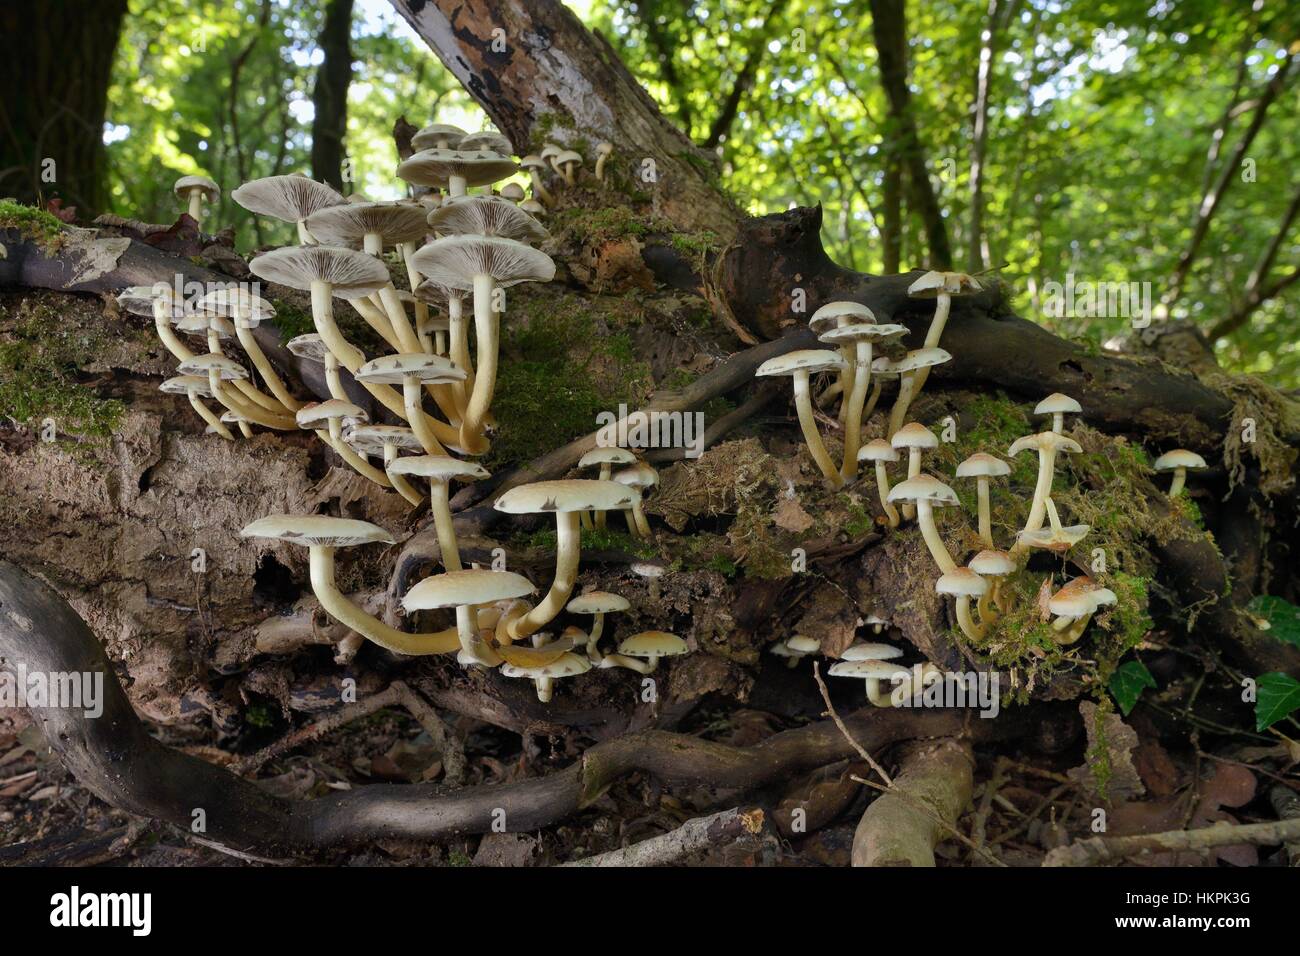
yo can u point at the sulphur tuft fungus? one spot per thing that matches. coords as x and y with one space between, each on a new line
942 287
982 467
597 604
455 170
994 565
567 163
881 453
928 493
1048 445
603 152
862 337
795 648
915 438
913 369
195 190
1180 461
1075 604
799 365
1058 406
437 136
1054 537
387 442
543 676
441 470
650 646
467 590
195 388
289 198
964 584
606 457
642 477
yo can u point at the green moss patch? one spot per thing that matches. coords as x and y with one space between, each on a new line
34 225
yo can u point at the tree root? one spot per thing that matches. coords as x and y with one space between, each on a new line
1113 849
726 826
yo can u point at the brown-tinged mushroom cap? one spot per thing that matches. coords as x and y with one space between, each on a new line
992 563
611 455
861 332
290 198
186 184
227 369
435 167
185 384
877 450
830 314
935 283
567 157
1057 402
308 346
395 369
453 261
962 582
469 586
914 435
374 439
574 494
438 468
870 651
1179 458
488 139
1080 597
350 273
598 602
485 216
313 415
923 488
238 302
983 465
1044 441
513 192
922 358
1059 540
652 644
320 530
436 135
803 360
352 222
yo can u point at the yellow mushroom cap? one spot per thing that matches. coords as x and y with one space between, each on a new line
1179 458
438 468
319 530
612 455
802 360
598 602
981 464
315 413
962 582
992 563
469 586
568 665
575 494
870 651
652 644
914 435
873 669
877 450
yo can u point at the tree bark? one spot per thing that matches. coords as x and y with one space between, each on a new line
329 126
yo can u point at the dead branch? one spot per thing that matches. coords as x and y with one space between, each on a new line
1114 849
726 826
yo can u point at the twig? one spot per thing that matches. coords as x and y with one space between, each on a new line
830 710
701 833
978 827
1106 849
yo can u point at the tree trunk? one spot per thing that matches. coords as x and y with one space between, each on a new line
330 96
58 55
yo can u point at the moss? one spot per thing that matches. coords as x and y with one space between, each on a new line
1098 755
593 539
34 225
291 320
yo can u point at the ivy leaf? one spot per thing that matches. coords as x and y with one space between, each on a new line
1128 682
1279 617
1276 696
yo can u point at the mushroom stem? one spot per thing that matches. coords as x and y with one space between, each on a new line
941 306
1058 421
642 526
1069 630
985 518
856 400
332 378
1176 486
456 185
593 639
938 550
568 551
458 351
440 506
336 605
412 406
600 166
196 205
244 429
878 697
540 192
254 413
803 402
877 386
486 326
377 319
404 487
209 416
988 614
606 469
264 366
903 401
1042 489
968 626
396 312
334 438
472 647
882 486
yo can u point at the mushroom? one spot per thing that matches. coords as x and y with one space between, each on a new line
466 590
311 347
441 472
916 438
881 369
412 371
196 387
1057 405
455 169
486 216
333 414
880 451
1054 537
873 670
834 315
535 164
219 370
603 152
322 535
567 665
1048 445
195 189
480 264
234 418
513 192
567 162
457 335
642 477
607 458
795 648
862 336
289 198
964 584
982 467
928 493
387 441
533 208
1179 461
248 311
597 603
565 499
995 565
1075 603
488 139
548 154
913 367
437 136
650 646
799 365
941 286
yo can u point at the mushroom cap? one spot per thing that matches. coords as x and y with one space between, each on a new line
862 332
1044 441
883 366
532 161
140 299
914 435
802 360
598 602
802 644
573 494
604 149
211 191
612 455
1052 540
1179 458
934 283
203 322
962 582
227 369
469 586
308 346
567 665
1080 597
513 192
533 207
395 369
231 418
184 384
435 135
641 475
835 313
870 651
291 198
652 644
485 216
314 413
373 439
351 274
1057 402
992 563
877 670
435 293
349 223
566 157
453 261
438 468
316 530
434 167
922 358
549 150
488 139
923 488
981 464
781 650
237 302
877 450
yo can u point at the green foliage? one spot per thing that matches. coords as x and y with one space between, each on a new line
1277 696
1127 684
1279 617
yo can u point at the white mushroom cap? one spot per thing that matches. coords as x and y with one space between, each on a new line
395 369
513 192
313 414
1051 539
237 302
877 670
1080 597
923 488
922 358
574 494
1057 402
227 369
309 346
877 450
981 464
453 261
533 207
802 360
863 332
801 644
434 167
184 384
533 161
640 475
914 435
568 665
201 323
485 216
372 439
316 530
184 185
612 455
992 563
488 139
1044 441
435 135
830 314
883 367
290 198
962 582
140 299
1179 458
470 586
870 651
652 644
598 602
351 222
438 468
351 273
933 283
568 156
